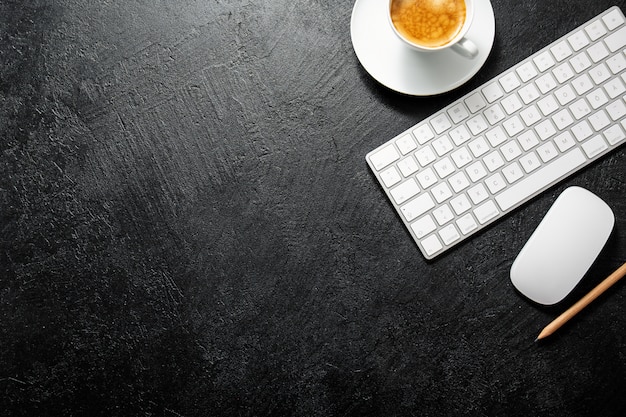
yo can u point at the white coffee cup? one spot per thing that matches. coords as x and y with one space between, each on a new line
458 42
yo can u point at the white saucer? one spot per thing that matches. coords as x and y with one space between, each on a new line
396 66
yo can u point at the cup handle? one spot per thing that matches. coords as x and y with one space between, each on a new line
466 48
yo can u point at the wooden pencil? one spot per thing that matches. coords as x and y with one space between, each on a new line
583 302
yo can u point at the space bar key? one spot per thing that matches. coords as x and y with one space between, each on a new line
539 179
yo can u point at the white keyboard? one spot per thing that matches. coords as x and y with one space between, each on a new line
497 147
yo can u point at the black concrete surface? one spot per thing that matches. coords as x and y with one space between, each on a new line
188 227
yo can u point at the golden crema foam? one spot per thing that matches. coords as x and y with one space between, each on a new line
429 23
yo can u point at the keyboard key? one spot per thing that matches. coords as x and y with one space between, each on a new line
425 155
594 146
460 135
423 134
476 171
440 123
565 95
547 152
444 167
449 234
530 115
406 144
459 182
582 84
595 30
405 191
493 161
528 140
458 113
614 135
475 102
600 74
529 162
580 62
443 215
495 183
384 157
580 108
545 129
418 206
529 93
478 193
460 204
613 19
513 172
511 151
548 105
616 110
564 141
511 104
492 92
509 82
477 124
597 52
578 40
563 73
486 212
478 146
527 71
423 226
431 245
466 224
496 136
461 157
513 126
390 177
494 114
614 88
617 40
599 120
561 50
562 119
597 98
582 131
442 145
617 63
426 178
441 192
546 83
544 61
407 166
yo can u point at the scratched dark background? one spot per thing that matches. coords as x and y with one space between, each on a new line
188 227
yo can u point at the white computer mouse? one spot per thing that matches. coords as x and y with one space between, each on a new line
563 247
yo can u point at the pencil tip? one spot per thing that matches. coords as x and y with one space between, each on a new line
537 339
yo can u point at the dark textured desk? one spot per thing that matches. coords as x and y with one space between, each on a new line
189 227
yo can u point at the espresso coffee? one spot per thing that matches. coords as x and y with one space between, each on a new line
429 23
